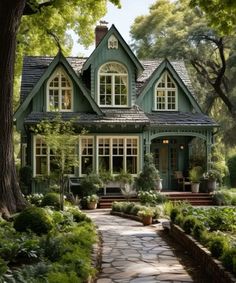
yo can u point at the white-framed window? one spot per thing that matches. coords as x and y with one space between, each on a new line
112 85
117 154
86 155
44 158
59 92
166 94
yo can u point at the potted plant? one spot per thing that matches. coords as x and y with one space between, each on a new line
124 178
212 177
106 178
92 201
195 175
146 214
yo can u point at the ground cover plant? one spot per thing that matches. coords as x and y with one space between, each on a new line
55 248
213 227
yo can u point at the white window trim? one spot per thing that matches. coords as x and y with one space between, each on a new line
80 153
113 105
61 70
125 151
48 158
165 89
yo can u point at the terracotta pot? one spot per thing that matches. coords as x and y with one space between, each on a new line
92 205
147 220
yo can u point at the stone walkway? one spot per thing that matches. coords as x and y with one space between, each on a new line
133 253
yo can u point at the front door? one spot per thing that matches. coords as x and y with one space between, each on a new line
165 153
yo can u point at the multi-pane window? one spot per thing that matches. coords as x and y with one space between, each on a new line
166 94
46 161
117 154
86 153
113 85
59 92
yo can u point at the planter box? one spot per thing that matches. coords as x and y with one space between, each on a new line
209 265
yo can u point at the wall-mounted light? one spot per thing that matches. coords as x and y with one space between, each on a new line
181 146
165 141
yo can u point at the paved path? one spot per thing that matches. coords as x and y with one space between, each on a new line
133 253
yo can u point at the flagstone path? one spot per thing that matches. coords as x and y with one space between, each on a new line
133 253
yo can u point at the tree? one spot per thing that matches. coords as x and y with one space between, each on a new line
11 13
221 14
60 138
174 30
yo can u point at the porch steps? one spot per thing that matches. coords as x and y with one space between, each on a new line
192 198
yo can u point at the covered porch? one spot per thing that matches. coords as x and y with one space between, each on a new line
177 149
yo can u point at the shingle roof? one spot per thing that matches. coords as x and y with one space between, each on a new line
180 118
151 65
35 66
132 116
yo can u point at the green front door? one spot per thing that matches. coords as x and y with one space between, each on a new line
165 153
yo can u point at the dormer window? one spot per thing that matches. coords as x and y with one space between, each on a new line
113 85
166 94
59 92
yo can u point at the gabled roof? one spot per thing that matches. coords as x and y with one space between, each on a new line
122 42
152 72
42 73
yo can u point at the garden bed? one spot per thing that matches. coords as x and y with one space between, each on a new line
209 265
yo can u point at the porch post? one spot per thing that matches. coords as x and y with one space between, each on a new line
208 150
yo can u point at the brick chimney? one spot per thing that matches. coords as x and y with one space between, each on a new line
100 32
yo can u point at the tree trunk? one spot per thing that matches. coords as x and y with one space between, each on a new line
11 199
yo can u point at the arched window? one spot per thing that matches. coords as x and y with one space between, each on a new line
59 92
113 85
166 94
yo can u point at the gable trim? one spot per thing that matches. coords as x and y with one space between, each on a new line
115 32
166 65
52 66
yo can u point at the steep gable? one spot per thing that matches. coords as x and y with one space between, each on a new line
153 70
37 70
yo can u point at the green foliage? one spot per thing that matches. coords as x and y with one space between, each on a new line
174 213
35 219
151 197
189 223
90 184
79 216
3 267
92 198
232 170
220 14
124 178
198 230
58 276
146 211
195 174
222 198
147 179
35 199
229 259
218 244
51 199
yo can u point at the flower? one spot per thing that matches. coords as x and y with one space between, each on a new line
92 198
213 175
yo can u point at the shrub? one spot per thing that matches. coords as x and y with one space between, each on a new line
218 244
222 198
229 259
135 209
198 230
116 206
179 219
51 199
35 219
174 213
56 277
232 170
3 267
188 224
147 179
79 216
35 199
90 184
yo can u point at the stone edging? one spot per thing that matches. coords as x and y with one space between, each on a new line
209 265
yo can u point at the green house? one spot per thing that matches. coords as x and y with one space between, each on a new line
128 107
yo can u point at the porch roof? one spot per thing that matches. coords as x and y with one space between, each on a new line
181 119
131 116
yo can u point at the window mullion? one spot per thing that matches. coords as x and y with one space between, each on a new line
111 154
